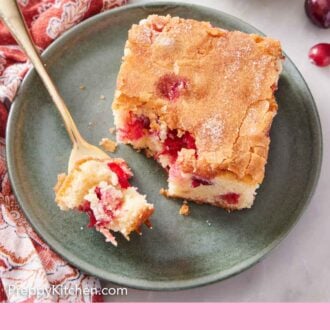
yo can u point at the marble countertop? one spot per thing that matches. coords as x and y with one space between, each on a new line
299 268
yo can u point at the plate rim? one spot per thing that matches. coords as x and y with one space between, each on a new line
165 285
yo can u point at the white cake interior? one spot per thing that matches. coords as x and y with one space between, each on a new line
240 194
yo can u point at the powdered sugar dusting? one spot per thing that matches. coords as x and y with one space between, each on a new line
238 57
213 128
145 36
164 41
260 69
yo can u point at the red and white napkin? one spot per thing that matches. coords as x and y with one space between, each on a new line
29 270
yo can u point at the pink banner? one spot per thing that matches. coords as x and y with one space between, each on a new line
167 316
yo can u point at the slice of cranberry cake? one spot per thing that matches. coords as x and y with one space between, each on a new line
101 188
200 100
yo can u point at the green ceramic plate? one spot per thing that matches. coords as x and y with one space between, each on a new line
180 252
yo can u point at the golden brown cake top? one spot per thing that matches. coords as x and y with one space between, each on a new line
216 84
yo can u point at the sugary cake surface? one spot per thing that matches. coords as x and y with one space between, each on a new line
100 187
215 84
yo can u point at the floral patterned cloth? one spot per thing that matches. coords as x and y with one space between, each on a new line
29 270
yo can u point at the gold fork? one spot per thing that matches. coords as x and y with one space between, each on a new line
13 19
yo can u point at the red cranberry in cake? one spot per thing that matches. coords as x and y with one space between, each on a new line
173 144
171 86
86 207
135 127
196 182
122 175
101 189
200 100
230 198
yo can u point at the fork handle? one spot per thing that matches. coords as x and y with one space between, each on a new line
13 19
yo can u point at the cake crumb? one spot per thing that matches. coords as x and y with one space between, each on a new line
154 126
102 97
184 209
148 153
82 87
112 130
108 145
60 179
163 192
208 223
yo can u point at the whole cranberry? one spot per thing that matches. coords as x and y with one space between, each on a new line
320 54
319 12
